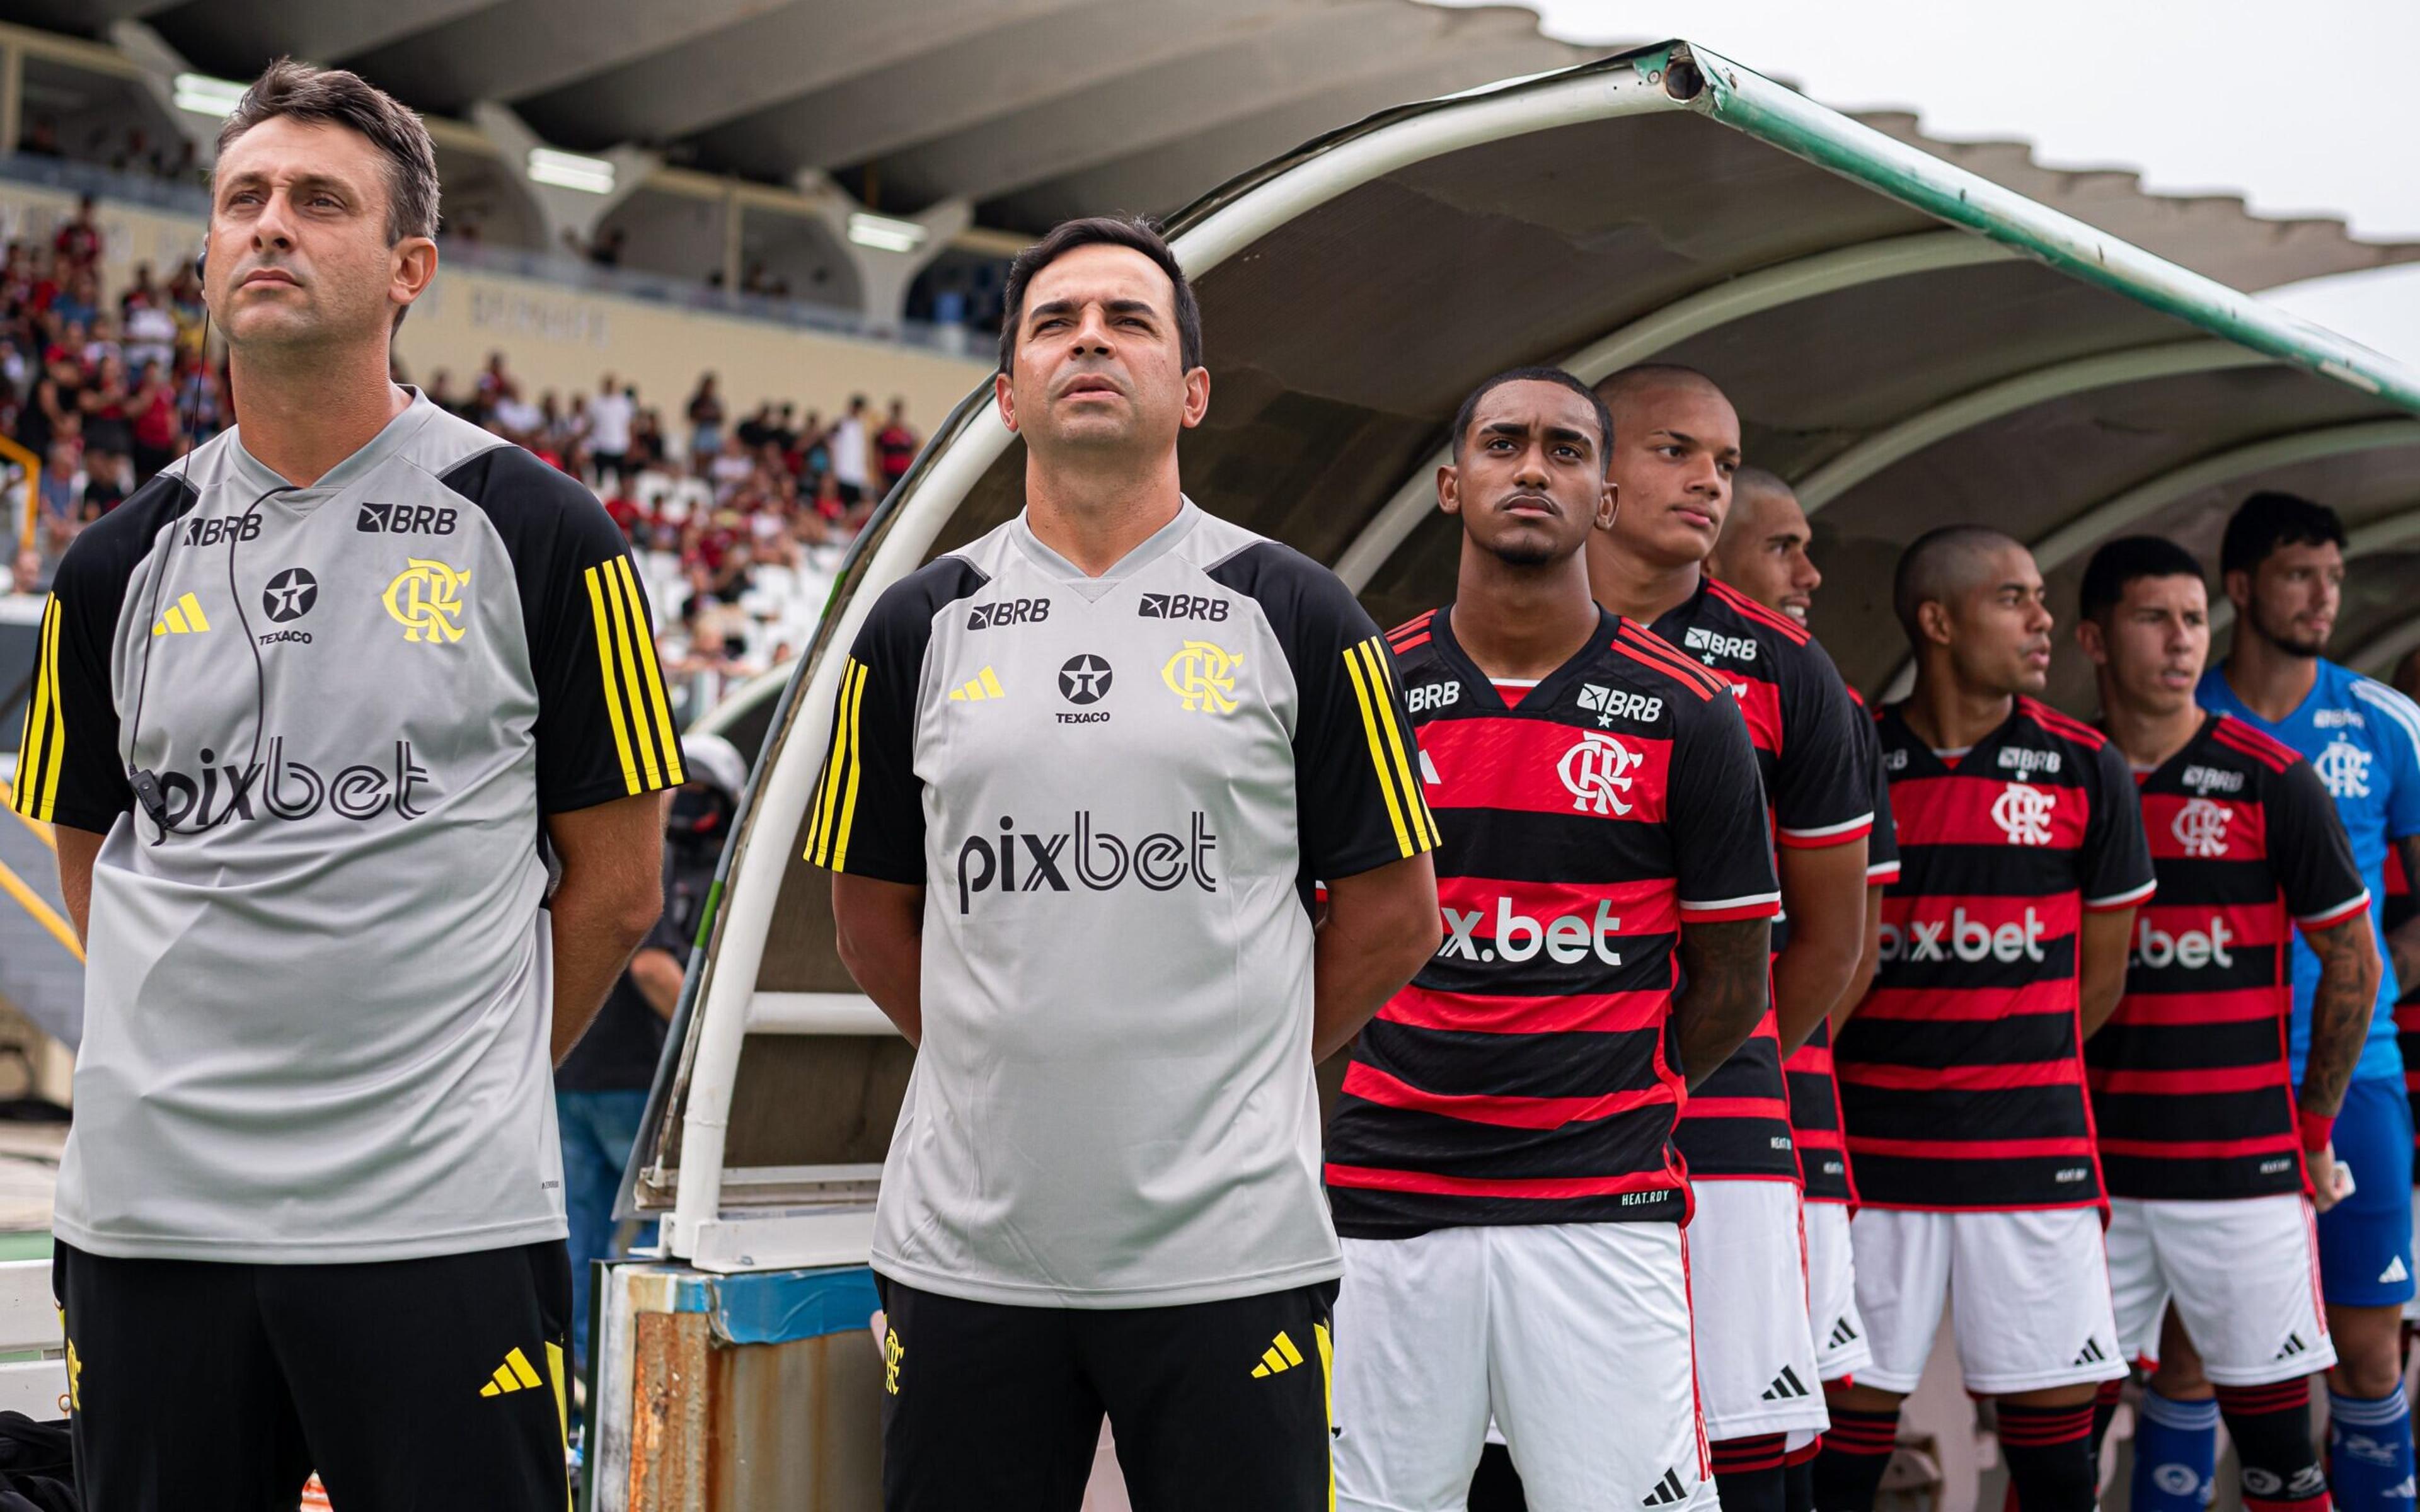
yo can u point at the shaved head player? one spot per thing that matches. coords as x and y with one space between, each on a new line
2022 862
1676 450
1501 1161
1763 554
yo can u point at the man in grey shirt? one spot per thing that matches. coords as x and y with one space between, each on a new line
314 710
1084 776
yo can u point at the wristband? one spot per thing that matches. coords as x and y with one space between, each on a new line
2315 1130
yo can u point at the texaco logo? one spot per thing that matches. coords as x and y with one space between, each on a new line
2200 828
2023 813
1595 771
2345 768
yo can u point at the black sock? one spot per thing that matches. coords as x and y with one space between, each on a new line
2105 1409
2049 1451
1748 1472
2271 1429
1798 1477
1856 1451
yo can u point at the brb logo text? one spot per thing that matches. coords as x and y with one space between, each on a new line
1025 861
1596 772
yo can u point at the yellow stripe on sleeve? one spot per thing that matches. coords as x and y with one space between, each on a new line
1377 752
1328 1380
1382 662
620 619
666 741
605 669
835 764
848 787
55 734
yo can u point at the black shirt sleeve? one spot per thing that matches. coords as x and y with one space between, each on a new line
2116 860
604 723
71 768
1819 786
1882 844
866 816
1722 852
1357 766
2310 851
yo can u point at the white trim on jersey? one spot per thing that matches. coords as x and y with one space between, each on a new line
2335 914
1743 900
1863 820
2120 900
2391 704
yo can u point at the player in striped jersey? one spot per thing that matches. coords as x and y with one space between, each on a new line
1763 554
1677 442
2004 944
2203 1133
1500 1162
2282 563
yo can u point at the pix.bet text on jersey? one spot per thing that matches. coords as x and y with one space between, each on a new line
1961 1075
2190 1085
1807 749
1117 791
1527 1075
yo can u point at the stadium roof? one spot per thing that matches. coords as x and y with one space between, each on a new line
1029 110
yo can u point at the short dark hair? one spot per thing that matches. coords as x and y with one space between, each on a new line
1131 232
300 92
2272 518
1939 565
1463 417
2126 558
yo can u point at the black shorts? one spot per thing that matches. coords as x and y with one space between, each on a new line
423 1383
1215 1407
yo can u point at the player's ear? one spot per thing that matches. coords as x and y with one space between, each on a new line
2238 584
1197 396
1609 504
1449 484
2088 636
1933 618
1006 397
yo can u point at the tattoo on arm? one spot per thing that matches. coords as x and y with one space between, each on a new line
1727 992
2341 1006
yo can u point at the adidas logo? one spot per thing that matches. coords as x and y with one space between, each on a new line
1786 1387
1842 1334
1278 1358
1668 1492
2394 1268
184 617
2090 1355
2294 1345
986 686
514 1375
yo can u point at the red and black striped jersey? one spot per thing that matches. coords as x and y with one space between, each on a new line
1961 1076
1525 1075
1814 1096
2191 1089
1738 1120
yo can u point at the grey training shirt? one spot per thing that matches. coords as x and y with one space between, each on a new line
1117 791
318 1001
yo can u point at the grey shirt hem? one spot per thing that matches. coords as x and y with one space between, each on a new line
1182 1294
305 1252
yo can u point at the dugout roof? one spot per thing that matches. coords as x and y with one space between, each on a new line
1908 343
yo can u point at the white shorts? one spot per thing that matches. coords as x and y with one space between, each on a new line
1840 1349
1747 1287
2030 1289
2245 1275
1576 1336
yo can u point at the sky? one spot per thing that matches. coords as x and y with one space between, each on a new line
2198 95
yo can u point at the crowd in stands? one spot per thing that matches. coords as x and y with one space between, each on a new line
740 517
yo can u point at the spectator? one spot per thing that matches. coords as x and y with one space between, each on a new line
157 440
705 419
848 452
78 243
41 139
150 329
606 251
895 445
610 413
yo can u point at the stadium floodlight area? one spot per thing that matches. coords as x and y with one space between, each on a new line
1926 345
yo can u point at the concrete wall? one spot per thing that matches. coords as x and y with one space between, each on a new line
558 337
